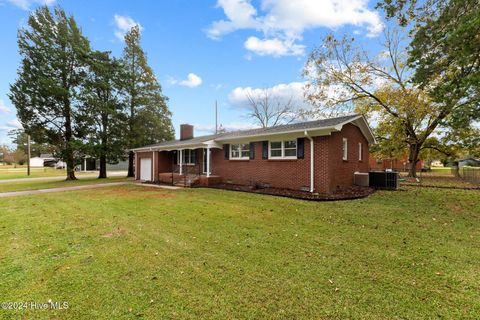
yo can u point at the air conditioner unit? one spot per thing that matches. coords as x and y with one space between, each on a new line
361 179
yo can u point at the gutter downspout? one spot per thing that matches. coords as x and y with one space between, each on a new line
312 157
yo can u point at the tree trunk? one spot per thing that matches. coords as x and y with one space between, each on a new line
70 160
104 147
103 167
131 158
414 150
69 156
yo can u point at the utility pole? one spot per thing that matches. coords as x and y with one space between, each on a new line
216 117
28 154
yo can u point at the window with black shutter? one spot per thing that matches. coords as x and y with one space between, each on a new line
264 150
226 151
252 150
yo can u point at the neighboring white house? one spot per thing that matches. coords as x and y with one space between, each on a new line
37 162
43 161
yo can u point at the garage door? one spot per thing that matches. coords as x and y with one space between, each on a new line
146 169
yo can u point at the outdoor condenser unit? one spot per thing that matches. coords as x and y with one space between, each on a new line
383 180
360 179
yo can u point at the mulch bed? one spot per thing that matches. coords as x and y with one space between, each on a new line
354 192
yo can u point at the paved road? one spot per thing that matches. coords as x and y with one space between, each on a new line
88 175
88 186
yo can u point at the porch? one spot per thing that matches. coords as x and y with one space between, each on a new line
183 167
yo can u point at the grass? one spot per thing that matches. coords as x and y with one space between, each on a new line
11 172
441 170
48 184
132 252
439 181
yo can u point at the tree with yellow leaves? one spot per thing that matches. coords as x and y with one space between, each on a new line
343 77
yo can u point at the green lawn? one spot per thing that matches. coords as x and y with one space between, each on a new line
132 252
438 181
441 170
48 184
10 172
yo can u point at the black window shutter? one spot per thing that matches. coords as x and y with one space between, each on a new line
300 148
226 151
252 150
264 150
175 157
195 154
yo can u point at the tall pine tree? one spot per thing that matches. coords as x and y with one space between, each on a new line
100 95
149 119
53 55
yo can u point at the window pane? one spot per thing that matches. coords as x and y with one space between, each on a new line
290 152
245 147
276 153
290 144
245 154
276 145
234 151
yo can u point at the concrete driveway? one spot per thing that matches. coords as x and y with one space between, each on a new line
92 174
88 186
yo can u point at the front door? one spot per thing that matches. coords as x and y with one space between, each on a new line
146 169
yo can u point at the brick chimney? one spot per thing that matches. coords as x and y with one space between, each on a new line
186 131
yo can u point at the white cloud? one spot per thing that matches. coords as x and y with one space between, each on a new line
284 21
240 14
192 81
281 92
4 108
26 4
123 25
11 125
273 47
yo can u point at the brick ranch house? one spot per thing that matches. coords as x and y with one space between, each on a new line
317 156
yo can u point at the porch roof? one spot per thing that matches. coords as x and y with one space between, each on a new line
317 127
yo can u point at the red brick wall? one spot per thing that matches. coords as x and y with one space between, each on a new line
322 163
341 171
186 131
291 174
164 161
330 172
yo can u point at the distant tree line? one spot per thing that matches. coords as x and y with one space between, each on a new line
83 101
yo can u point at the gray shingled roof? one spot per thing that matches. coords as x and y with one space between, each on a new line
299 126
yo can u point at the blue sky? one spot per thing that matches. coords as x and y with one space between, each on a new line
202 51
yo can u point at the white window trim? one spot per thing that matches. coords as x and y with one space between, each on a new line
183 157
345 149
240 152
360 151
270 157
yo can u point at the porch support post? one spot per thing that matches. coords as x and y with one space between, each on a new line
153 166
85 164
208 162
180 163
